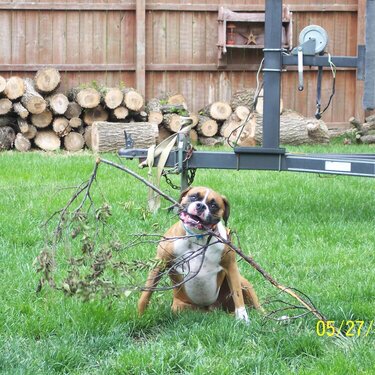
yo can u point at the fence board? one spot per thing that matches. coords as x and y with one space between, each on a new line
97 40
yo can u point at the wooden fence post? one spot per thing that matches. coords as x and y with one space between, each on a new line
141 46
359 88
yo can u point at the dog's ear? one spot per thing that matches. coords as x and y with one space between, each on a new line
226 210
183 193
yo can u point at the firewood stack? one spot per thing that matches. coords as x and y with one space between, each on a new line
34 114
364 133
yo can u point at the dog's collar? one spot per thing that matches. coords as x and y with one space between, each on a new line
193 234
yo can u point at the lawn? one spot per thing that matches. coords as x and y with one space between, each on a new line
311 232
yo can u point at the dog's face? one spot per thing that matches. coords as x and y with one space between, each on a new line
203 208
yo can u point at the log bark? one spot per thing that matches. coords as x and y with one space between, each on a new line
243 98
153 109
15 88
23 125
211 141
259 104
230 126
58 103
42 120
296 129
61 126
368 139
87 136
8 121
20 110
153 105
207 127
75 122
21 143
238 131
193 135
133 100
219 111
74 142
73 110
163 134
47 140
195 118
46 80
7 137
5 106
95 114
177 99
113 97
120 113
31 133
31 99
3 84
86 98
107 136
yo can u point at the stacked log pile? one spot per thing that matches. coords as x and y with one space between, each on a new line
364 132
33 113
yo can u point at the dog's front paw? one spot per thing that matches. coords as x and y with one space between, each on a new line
241 314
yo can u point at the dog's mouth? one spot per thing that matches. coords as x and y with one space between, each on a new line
194 221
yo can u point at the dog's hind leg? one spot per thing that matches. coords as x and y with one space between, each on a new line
225 300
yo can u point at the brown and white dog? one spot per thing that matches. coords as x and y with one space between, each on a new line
203 269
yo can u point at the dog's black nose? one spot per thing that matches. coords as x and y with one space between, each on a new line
200 206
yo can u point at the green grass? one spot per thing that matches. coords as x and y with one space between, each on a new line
314 233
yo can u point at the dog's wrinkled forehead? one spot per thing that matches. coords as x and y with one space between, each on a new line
200 194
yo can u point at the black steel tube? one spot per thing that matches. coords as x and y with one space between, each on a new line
339 61
272 73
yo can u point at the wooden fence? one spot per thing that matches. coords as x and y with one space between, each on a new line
170 46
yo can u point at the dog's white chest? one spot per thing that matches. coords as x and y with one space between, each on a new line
199 267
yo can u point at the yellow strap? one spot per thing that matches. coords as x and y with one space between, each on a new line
162 150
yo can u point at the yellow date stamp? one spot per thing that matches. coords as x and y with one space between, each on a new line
348 328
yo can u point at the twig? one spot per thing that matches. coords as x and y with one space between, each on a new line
138 177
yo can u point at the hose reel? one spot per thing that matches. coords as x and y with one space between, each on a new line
313 41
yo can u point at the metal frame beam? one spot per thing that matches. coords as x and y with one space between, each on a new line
270 156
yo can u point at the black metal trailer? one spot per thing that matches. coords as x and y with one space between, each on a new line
270 156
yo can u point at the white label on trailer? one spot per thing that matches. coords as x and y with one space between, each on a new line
338 166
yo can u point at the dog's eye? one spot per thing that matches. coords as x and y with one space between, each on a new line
193 198
214 205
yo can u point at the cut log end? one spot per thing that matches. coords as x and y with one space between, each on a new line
58 103
7 137
42 120
74 142
32 100
88 98
113 98
133 100
3 83
155 117
15 88
47 80
120 113
21 143
5 106
47 140
61 126
207 127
